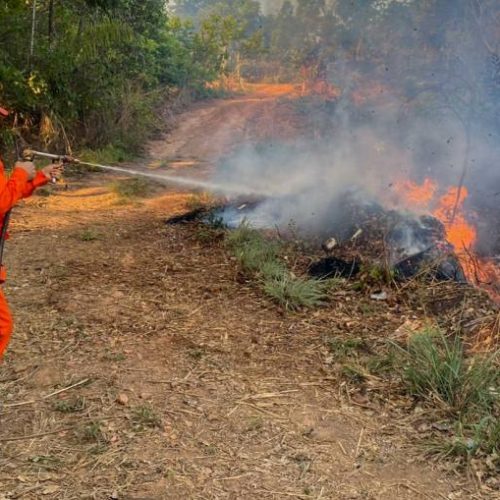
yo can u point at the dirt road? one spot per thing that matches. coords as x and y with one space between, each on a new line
143 367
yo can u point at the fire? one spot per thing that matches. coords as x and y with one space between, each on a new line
460 231
417 196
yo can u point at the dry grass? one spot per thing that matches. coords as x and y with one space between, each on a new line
246 399
123 322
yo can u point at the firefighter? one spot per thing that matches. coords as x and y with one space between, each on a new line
21 184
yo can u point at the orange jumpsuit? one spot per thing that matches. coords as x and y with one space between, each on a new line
12 189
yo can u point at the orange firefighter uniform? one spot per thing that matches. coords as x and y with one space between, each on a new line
12 189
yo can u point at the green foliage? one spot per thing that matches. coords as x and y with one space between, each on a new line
255 253
436 369
98 69
378 273
241 236
107 155
272 269
469 441
260 256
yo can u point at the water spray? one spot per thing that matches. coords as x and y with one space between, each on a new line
230 189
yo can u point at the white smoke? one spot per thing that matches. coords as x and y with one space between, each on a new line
433 125
270 6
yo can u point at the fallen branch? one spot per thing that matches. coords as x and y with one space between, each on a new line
47 396
35 436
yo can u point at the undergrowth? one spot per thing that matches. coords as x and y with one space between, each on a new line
107 155
131 188
458 394
292 292
436 369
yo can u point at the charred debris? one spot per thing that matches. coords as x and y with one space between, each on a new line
356 234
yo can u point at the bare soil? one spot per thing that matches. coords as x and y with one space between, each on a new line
144 367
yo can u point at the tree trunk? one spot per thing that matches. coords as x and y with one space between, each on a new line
33 29
50 32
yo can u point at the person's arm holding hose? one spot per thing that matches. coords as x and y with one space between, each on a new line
42 177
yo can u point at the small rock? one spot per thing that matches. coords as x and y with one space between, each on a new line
122 399
379 296
329 244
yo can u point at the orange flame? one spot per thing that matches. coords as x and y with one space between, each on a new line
460 232
417 196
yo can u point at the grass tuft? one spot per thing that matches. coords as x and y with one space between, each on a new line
145 416
342 348
93 433
436 369
260 256
255 253
89 235
293 293
70 406
468 441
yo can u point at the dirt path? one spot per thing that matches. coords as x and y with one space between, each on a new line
188 384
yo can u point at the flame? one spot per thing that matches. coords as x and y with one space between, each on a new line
417 196
460 231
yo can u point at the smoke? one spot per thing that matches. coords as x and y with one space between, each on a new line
416 104
270 6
